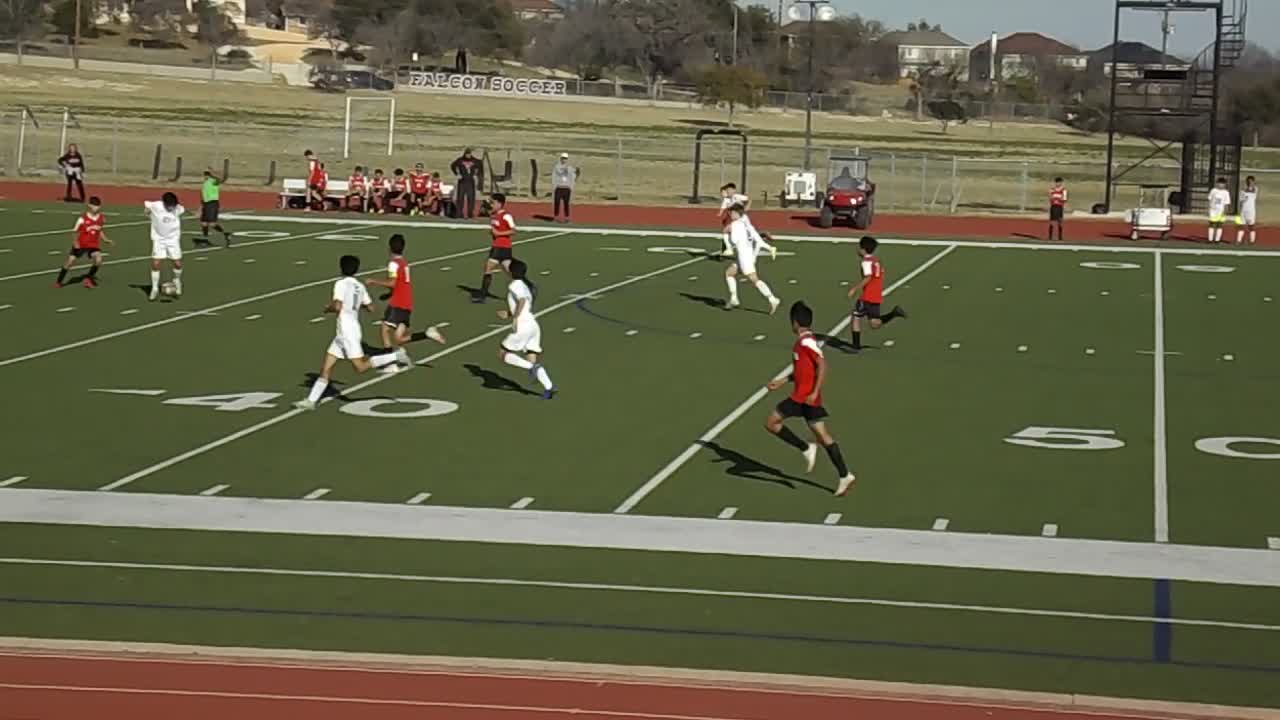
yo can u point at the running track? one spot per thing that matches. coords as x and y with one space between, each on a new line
40 686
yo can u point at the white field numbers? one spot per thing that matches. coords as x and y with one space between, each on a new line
1056 438
393 408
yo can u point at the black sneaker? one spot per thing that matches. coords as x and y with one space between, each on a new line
226 240
897 310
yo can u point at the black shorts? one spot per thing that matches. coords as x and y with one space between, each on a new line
209 211
501 254
1056 213
811 413
316 188
420 198
862 309
81 252
394 317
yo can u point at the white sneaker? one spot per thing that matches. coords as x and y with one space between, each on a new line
305 405
773 305
733 303
402 357
773 253
177 288
810 457
434 334
846 482
390 370
155 293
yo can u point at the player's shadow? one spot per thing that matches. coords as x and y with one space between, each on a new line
493 381
333 391
474 291
751 469
832 341
717 303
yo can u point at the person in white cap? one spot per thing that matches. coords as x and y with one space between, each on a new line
563 176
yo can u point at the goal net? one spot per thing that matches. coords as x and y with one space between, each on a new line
369 127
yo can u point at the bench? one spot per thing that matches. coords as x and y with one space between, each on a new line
335 193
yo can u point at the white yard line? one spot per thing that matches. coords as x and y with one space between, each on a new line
661 476
233 303
622 588
831 239
252 429
1031 553
67 230
1160 434
135 258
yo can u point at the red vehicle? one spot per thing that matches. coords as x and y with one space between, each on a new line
850 196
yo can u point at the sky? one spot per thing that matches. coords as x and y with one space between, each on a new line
1083 23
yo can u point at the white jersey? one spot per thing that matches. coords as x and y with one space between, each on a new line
519 290
353 295
735 199
1249 203
1219 201
165 224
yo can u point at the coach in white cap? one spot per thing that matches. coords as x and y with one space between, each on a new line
563 176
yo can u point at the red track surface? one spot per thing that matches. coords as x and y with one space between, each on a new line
70 687
701 217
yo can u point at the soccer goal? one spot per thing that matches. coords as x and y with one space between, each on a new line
391 122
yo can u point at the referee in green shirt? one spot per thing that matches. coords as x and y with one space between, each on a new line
210 191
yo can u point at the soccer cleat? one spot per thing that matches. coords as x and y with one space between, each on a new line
810 457
402 357
226 240
56 285
155 293
90 283
549 394
733 303
390 370
477 299
900 312
846 482
773 305
434 334
773 253
305 405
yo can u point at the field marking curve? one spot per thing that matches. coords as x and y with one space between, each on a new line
670 469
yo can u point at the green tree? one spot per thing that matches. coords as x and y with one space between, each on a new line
731 85
64 18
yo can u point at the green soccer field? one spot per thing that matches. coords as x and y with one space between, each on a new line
1067 460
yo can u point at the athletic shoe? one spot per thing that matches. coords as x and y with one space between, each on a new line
900 311
548 394
434 334
732 304
846 482
155 293
390 370
226 240
773 305
90 283
57 285
305 405
810 457
773 253
402 357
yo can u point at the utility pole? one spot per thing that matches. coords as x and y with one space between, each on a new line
75 46
734 61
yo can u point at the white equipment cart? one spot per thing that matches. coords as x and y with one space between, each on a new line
1153 214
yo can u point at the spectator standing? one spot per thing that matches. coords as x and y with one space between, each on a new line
468 169
563 176
72 164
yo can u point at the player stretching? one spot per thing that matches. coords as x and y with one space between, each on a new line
502 226
1219 201
523 346
746 245
210 207
395 321
89 239
166 235
1248 215
729 197
315 181
349 298
872 291
809 373
1057 207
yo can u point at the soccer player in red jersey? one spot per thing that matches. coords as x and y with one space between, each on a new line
357 190
395 321
377 191
1057 207
872 293
809 374
503 227
420 188
398 192
89 239
315 181
435 194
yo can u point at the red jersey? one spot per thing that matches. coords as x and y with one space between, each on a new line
502 225
436 186
419 184
805 356
402 291
378 183
1058 197
89 231
315 175
398 184
873 272
356 184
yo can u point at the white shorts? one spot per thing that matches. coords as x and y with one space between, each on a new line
746 262
1249 218
166 250
527 339
347 347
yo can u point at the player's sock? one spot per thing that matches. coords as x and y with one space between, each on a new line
484 285
515 360
732 283
857 339
764 290
892 315
62 275
541 373
177 280
383 360
93 272
837 459
790 438
317 390
155 281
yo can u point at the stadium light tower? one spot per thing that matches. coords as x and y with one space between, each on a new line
815 11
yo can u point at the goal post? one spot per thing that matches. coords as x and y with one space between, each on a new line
391 122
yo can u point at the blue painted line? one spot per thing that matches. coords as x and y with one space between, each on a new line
718 634
1162 632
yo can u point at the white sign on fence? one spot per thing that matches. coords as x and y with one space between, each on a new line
485 83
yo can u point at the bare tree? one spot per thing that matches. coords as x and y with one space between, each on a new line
668 32
21 20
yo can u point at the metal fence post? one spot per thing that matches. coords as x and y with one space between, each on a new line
618 171
893 179
924 181
115 145
1026 179
955 179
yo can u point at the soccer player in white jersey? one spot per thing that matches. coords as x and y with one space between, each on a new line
746 250
1247 217
349 297
1219 201
729 196
166 236
523 346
